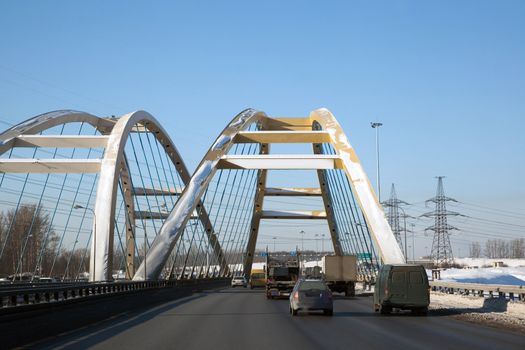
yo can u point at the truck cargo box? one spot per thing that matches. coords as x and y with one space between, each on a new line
340 268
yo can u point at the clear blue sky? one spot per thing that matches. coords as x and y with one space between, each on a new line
446 78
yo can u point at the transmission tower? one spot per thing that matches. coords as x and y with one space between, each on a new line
393 216
441 247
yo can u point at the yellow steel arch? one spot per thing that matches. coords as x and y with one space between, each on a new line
276 130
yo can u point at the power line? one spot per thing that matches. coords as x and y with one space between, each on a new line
441 247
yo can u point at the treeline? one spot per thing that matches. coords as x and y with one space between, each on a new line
499 248
29 245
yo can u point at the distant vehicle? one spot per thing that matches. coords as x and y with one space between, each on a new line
257 278
239 281
340 273
403 286
310 295
281 276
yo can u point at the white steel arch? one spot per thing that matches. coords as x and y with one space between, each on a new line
112 167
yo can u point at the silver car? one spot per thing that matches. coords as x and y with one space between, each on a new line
239 281
309 295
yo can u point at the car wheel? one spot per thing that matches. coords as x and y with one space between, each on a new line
420 311
328 312
385 310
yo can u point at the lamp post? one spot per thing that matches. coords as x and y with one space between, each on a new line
274 238
21 259
405 228
145 249
376 125
78 206
302 240
322 243
412 225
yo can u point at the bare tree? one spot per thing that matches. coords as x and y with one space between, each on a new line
475 250
26 235
490 249
517 248
497 248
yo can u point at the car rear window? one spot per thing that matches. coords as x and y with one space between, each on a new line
415 277
311 285
398 277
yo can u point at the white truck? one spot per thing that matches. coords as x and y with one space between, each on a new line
340 273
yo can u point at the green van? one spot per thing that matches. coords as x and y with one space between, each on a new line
402 286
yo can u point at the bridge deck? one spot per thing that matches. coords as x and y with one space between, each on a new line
245 319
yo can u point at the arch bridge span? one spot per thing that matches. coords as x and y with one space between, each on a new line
105 198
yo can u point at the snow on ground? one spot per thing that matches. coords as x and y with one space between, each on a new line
493 275
496 312
482 271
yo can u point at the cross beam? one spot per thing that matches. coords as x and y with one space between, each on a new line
280 162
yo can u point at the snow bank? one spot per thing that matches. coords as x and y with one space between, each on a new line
496 312
497 275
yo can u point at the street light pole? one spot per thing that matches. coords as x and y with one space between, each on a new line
376 125
145 249
405 228
302 240
322 243
413 242
274 238
78 206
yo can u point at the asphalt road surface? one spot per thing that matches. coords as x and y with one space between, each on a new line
245 319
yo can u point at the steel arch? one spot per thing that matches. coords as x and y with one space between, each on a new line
274 130
112 168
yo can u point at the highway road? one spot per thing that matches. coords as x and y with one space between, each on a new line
245 319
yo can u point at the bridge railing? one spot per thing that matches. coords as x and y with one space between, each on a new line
481 290
36 294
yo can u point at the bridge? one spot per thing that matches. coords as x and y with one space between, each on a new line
99 183
106 208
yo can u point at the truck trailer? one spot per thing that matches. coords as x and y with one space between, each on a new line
281 276
340 273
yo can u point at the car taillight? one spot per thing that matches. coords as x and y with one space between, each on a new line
296 295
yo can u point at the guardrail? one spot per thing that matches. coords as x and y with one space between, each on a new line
15 286
36 294
481 290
